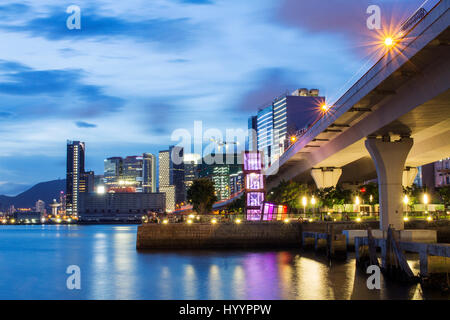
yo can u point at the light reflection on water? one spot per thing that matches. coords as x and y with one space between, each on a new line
34 260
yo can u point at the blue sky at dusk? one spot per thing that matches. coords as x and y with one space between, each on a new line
138 70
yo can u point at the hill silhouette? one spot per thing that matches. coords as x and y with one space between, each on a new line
46 191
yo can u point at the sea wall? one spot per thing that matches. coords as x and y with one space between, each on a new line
219 236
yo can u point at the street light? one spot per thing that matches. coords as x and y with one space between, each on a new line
304 202
405 201
388 41
313 202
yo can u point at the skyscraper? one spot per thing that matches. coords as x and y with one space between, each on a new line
177 173
287 116
164 180
112 171
76 175
132 172
191 162
149 173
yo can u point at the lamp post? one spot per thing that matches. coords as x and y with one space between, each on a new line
357 202
426 200
313 202
304 202
405 201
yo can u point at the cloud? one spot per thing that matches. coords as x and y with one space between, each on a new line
268 84
13 9
64 90
197 1
82 124
94 26
347 18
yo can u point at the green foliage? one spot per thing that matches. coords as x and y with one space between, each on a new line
331 196
371 190
237 205
201 195
444 195
289 193
415 194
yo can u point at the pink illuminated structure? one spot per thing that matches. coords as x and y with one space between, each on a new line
254 185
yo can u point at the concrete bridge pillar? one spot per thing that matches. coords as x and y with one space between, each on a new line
409 174
389 158
326 177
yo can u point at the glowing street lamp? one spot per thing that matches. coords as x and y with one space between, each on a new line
426 200
304 202
324 107
293 139
388 41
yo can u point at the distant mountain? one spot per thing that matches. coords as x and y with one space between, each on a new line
46 191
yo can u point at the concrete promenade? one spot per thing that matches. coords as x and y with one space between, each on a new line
254 235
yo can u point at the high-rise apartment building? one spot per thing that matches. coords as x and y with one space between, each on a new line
40 207
164 180
222 172
171 176
191 162
77 180
286 116
148 173
177 173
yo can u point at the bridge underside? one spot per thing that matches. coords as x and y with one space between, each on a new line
412 101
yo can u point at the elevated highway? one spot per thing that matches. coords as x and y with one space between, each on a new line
393 119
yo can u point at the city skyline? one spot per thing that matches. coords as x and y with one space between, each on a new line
91 81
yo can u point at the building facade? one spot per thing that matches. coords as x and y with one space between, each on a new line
287 116
442 173
177 173
164 180
119 206
221 168
77 180
40 207
191 163
148 173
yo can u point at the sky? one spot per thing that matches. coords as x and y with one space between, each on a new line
138 70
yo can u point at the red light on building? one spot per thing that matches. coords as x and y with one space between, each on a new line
362 190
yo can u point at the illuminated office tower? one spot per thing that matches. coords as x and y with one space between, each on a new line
177 173
132 173
164 180
112 171
148 173
191 163
75 175
287 117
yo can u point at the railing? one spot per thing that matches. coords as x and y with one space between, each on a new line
308 217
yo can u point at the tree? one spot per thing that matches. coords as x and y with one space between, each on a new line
414 194
237 205
444 195
369 193
201 195
289 193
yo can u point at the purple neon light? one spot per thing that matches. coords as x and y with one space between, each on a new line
252 161
255 199
255 181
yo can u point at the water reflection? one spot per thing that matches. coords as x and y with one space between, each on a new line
111 268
